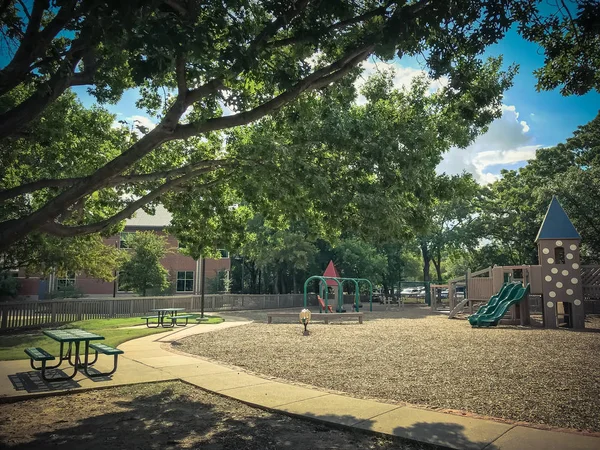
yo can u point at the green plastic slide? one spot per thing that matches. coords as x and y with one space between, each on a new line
492 317
505 291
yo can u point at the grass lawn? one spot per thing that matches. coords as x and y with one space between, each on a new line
211 320
116 331
12 346
530 374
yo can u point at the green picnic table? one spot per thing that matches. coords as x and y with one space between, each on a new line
74 338
168 314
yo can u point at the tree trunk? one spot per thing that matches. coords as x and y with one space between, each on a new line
259 279
294 283
426 263
276 284
437 262
283 284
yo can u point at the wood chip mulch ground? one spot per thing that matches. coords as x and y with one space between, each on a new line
549 377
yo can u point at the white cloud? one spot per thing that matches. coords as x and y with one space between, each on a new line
134 122
506 142
403 76
142 121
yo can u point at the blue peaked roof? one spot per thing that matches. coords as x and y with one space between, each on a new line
556 224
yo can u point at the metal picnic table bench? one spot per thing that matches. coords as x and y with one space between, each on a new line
73 337
167 314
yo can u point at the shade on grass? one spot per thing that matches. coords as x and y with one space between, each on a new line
13 346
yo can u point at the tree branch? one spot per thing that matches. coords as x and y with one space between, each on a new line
58 229
34 43
169 129
177 6
199 93
282 20
180 75
25 10
122 179
15 119
336 26
316 80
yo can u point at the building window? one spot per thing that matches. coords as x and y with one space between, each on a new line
65 282
559 255
123 239
185 281
224 253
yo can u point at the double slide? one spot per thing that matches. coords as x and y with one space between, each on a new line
490 314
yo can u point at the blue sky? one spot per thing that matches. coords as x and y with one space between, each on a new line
530 119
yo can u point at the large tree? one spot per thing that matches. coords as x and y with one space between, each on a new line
190 59
449 218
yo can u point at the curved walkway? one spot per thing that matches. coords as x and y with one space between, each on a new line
146 360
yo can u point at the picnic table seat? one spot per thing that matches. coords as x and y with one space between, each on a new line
148 318
38 354
174 319
105 350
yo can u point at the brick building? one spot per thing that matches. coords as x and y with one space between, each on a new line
184 271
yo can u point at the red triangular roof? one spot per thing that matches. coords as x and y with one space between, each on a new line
331 271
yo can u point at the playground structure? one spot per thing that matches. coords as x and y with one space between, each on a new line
559 279
335 283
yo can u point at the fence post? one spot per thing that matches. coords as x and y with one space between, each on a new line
264 302
112 309
4 317
53 313
79 307
130 307
278 302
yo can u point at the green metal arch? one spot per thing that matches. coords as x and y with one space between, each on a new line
326 295
340 281
340 299
356 292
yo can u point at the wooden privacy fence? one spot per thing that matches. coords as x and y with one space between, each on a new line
31 314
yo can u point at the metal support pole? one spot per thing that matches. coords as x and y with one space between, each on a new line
202 287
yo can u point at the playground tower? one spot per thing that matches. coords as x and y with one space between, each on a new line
558 249
331 271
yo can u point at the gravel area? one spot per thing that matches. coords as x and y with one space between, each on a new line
168 416
548 377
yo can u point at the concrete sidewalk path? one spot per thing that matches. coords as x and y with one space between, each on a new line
148 359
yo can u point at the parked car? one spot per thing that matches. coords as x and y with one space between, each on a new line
409 292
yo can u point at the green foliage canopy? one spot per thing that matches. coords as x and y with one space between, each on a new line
143 270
